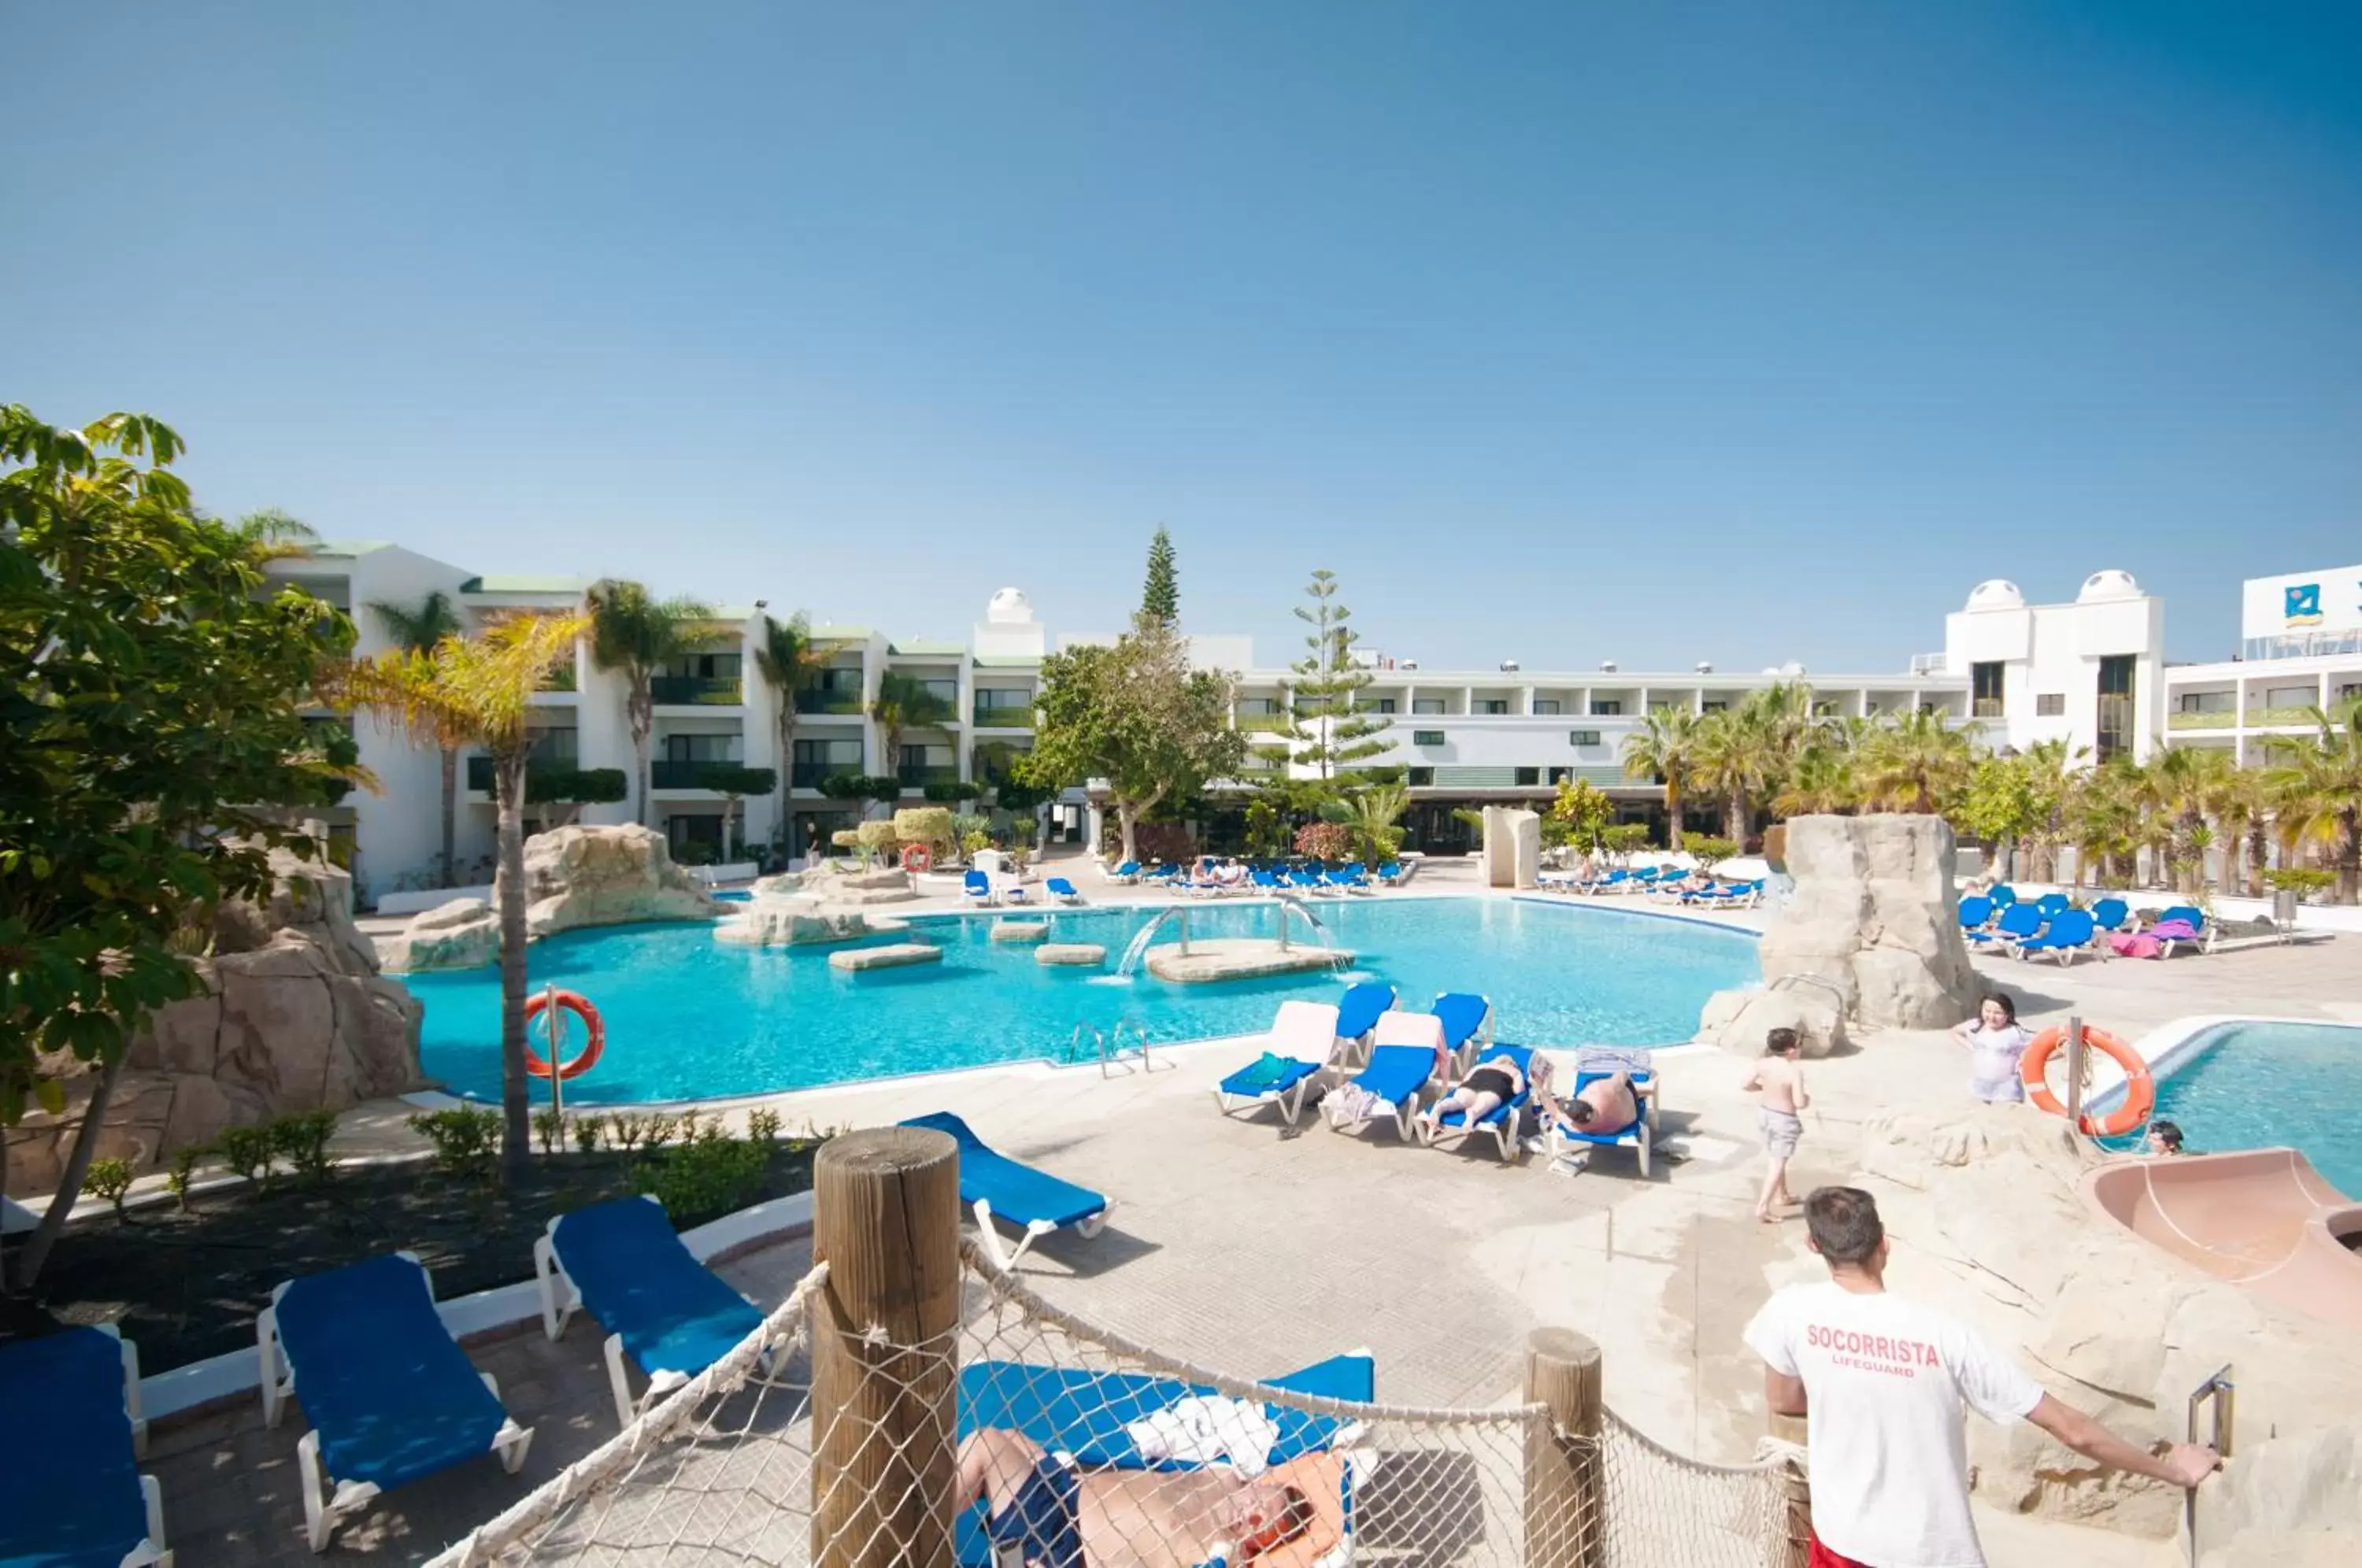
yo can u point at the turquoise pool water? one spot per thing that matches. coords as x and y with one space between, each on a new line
2257 1084
689 1017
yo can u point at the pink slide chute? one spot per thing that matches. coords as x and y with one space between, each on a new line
2261 1218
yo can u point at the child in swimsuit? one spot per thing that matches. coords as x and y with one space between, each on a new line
1781 1080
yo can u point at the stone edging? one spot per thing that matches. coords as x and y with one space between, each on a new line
487 1314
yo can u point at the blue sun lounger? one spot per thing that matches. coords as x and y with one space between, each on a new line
995 1186
1405 1063
1358 1012
977 887
2111 913
1303 1037
2018 922
1086 1414
390 1396
1501 1121
1640 1137
70 1492
1976 913
2068 933
1467 1021
1063 890
624 1262
2203 941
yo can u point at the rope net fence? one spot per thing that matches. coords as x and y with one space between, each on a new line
1028 1432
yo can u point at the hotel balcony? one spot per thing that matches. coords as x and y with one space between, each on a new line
920 778
480 770
828 701
1003 716
2216 719
695 691
664 774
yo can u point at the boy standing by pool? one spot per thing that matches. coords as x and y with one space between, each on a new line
1779 1076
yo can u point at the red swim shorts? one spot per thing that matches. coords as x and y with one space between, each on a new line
1823 1557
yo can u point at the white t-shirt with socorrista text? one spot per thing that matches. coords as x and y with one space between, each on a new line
1885 1382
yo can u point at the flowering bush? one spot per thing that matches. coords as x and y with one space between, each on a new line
1324 840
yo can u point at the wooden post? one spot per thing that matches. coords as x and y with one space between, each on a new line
2075 1071
886 1219
1565 1475
1796 1544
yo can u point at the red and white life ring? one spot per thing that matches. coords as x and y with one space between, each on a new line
917 857
2140 1087
580 1006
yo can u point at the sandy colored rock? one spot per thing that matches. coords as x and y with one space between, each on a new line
893 956
1211 959
1019 931
574 876
799 920
1080 954
1739 1021
1874 915
1513 846
302 1022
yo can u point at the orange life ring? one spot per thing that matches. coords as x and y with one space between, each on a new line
2140 1089
580 1006
917 857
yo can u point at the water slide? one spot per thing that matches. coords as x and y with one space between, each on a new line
2261 1218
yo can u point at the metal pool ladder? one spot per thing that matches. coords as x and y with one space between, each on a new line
2221 1394
1113 1054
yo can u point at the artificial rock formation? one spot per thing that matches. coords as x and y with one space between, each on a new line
1513 846
1873 923
834 884
1741 1021
1990 1224
297 1018
797 920
574 876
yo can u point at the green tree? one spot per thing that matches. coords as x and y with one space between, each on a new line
734 783
2001 805
1736 759
483 685
1821 781
1161 595
1370 815
1133 713
416 628
2316 791
786 660
637 636
1665 747
1583 813
903 703
571 788
1918 763
1332 731
151 737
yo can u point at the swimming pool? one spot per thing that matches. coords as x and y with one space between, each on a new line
2261 1083
689 1017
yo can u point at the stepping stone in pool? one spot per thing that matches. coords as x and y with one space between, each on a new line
1087 953
1021 931
893 956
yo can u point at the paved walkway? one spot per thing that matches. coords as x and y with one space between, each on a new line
1241 1245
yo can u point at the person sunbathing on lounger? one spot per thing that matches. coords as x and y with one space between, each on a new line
1492 1082
1049 1512
1604 1105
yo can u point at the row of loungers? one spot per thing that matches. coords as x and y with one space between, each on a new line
1357 877
2050 924
1400 1062
1667 884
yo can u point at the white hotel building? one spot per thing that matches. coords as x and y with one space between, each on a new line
2090 671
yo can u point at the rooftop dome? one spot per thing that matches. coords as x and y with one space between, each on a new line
1996 593
2109 584
1010 607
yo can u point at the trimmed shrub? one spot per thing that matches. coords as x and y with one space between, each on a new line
1324 840
930 826
948 793
466 1142
302 1140
185 1160
705 1177
110 1179
248 1151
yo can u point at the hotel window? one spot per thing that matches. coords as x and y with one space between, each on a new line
1492 705
2115 728
1545 707
1984 685
1583 737
1426 705
1002 699
2049 704
1526 776
1421 778
1825 710
1258 707
1558 775
2204 703
1713 707
1606 707
2292 696
1381 705
1426 738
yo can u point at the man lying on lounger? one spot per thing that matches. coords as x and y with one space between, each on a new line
1604 1105
1495 1081
1048 1512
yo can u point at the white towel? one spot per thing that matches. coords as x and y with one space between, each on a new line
1204 1429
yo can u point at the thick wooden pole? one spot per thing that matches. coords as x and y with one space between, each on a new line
1565 1478
885 1220
1796 1540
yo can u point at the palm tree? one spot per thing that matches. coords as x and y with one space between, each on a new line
2316 791
416 628
1821 781
786 659
1370 813
1665 747
1735 759
271 534
2103 816
903 701
2187 784
1915 764
2052 768
639 635
481 687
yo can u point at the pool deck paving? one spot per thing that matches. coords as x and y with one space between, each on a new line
1238 1244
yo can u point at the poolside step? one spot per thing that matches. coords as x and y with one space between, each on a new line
1021 931
893 956
1241 958
1084 953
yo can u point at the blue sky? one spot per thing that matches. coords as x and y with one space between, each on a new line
1658 333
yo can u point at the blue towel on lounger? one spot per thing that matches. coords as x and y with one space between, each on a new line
637 1277
70 1493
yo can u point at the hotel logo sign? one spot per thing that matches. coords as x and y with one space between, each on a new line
2303 604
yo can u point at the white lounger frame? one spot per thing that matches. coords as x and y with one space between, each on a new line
1404 1116
327 1502
560 1300
1088 1227
1290 1099
1280 1041
1640 1137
